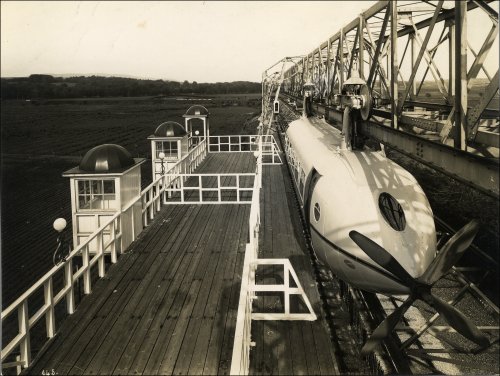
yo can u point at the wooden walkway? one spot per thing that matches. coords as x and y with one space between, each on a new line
169 305
287 347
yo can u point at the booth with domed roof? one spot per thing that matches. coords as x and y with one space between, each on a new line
196 134
169 144
106 181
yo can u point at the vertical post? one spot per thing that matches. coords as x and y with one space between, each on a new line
70 294
460 75
219 188
23 323
238 188
113 237
158 191
50 319
86 273
451 60
145 214
328 70
100 251
340 52
394 63
286 283
413 55
361 47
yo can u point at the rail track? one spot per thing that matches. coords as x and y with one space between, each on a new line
423 342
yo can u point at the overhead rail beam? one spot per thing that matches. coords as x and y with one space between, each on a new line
453 111
478 172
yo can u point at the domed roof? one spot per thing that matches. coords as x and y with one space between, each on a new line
170 129
197 109
106 158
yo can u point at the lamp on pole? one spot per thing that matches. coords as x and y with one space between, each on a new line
61 252
162 158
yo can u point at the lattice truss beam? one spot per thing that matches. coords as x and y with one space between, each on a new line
431 54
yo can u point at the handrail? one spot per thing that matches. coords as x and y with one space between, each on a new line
174 183
238 143
240 360
22 340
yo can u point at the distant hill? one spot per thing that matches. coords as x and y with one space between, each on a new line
50 86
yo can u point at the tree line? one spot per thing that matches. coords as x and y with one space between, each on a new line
46 86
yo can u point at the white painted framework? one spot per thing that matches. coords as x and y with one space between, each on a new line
240 362
111 239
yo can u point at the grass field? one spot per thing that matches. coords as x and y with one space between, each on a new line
40 140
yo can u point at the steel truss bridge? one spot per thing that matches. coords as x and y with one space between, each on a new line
434 98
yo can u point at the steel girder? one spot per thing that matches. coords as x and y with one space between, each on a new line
397 47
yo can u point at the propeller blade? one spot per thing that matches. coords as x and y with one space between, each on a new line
450 253
386 327
458 320
382 257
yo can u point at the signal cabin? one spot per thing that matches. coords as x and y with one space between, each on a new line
196 133
169 144
106 182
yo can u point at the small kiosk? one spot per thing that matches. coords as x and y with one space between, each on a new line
169 144
106 181
196 132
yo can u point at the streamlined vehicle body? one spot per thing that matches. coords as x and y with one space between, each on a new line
344 190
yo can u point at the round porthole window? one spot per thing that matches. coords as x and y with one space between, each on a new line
317 212
391 211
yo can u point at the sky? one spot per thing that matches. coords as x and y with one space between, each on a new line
203 41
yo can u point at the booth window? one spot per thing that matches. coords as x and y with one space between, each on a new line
96 194
169 148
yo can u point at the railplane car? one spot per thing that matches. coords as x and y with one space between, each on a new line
343 190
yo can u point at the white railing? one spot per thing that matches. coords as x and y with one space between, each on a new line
233 144
247 143
51 298
109 239
240 361
154 194
225 188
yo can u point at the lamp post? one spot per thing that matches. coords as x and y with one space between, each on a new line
63 250
162 158
60 253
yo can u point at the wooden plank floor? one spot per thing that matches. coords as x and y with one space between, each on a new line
169 305
287 347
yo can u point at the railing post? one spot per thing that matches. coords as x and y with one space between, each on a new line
132 230
238 188
145 213
50 319
100 251
113 237
163 188
182 188
158 198
23 322
86 273
151 208
219 193
286 282
200 190
70 294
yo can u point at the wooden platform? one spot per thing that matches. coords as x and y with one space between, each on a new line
169 305
287 347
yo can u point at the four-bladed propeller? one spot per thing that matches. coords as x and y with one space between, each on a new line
421 287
